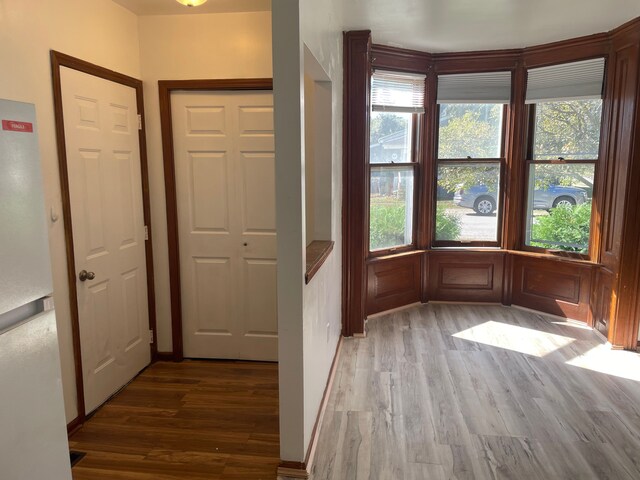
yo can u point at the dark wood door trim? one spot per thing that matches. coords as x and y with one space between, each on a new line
165 87
355 188
59 60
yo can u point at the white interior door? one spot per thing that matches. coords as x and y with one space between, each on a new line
103 161
225 182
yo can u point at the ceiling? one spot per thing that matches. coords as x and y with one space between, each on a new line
444 25
171 7
460 25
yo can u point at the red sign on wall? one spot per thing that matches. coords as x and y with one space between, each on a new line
14 126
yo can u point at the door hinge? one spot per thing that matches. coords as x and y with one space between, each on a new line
151 337
139 122
146 232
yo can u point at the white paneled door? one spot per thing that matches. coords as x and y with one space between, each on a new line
225 182
105 187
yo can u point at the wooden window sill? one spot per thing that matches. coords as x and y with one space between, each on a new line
317 252
463 250
553 256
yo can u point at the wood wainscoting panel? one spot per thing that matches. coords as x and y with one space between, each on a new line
465 276
558 287
549 284
393 282
477 277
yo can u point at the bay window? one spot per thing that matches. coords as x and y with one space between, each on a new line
564 104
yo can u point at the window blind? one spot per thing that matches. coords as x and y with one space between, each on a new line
567 81
397 92
491 87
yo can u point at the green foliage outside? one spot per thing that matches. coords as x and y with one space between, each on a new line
387 223
469 130
565 228
570 130
448 227
466 175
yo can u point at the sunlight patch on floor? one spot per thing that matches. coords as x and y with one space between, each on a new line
571 324
515 338
602 359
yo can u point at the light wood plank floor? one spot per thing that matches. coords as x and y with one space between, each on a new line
480 392
194 420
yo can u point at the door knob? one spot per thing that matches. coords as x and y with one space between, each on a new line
84 275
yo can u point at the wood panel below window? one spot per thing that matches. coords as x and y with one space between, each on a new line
393 282
557 287
549 285
465 276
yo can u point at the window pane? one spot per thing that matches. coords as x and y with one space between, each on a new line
391 210
567 129
470 130
559 206
390 137
468 202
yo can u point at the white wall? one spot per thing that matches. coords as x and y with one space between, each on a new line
100 32
318 161
310 126
309 316
288 81
321 32
179 47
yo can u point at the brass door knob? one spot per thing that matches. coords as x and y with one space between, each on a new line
84 275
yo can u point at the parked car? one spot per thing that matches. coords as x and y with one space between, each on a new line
484 201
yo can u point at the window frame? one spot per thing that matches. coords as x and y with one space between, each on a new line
417 127
501 161
530 112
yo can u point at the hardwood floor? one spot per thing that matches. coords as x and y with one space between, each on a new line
194 420
480 392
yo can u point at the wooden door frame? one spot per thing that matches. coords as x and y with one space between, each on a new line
165 88
59 60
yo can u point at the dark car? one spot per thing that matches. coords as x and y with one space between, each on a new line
484 201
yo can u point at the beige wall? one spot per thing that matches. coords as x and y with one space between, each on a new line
179 47
105 34
175 47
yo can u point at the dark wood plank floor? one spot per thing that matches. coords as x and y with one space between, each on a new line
196 420
480 392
